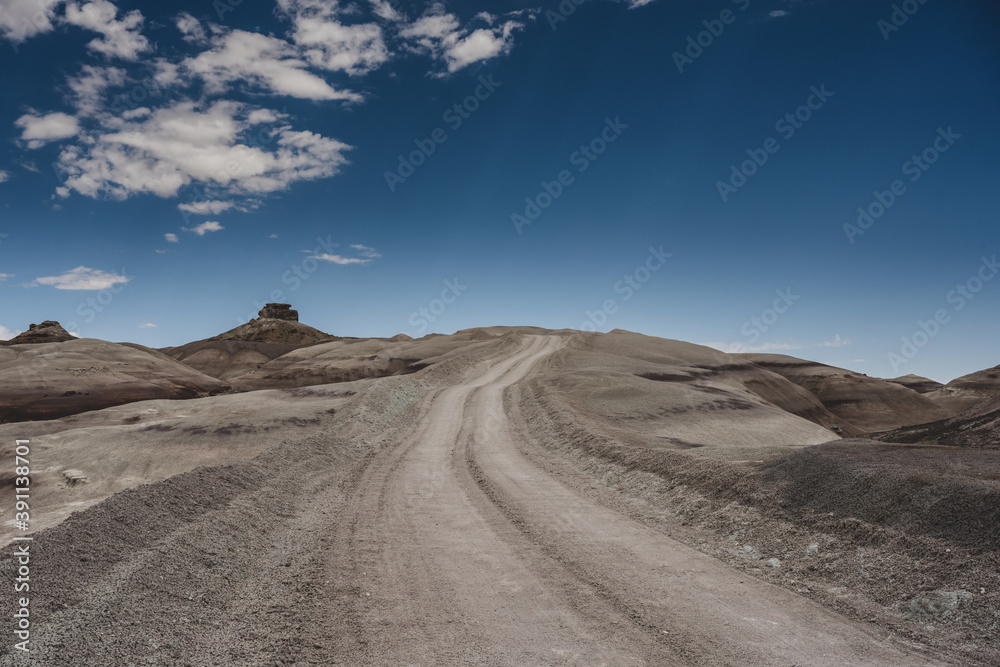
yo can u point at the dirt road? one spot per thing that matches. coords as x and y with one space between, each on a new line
472 555
445 546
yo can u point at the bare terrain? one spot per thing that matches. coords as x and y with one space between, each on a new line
508 496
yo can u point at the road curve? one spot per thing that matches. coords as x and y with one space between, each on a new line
468 553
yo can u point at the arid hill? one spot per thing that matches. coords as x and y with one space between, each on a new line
918 383
276 331
48 331
978 427
969 390
51 380
867 404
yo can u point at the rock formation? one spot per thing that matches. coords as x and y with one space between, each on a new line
48 331
278 311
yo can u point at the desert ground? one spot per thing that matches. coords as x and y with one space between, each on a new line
275 495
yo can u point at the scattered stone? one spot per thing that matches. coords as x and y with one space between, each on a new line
938 604
773 562
74 477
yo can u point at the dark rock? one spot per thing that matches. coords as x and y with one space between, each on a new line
279 311
48 331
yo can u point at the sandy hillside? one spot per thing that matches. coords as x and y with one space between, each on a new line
88 457
350 359
684 396
917 383
978 427
969 390
868 404
49 380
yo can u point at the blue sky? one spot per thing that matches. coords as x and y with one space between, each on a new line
681 169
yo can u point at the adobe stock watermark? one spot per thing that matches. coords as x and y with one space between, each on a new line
295 276
563 11
755 327
786 126
22 543
958 299
696 44
915 168
223 7
455 116
630 283
581 158
421 318
901 13
88 309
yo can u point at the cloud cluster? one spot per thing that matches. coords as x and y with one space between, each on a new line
36 131
119 38
169 124
440 34
159 152
365 255
83 278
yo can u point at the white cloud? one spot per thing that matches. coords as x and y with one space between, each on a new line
121 39
328 43
4 176
147 325
836 342
440 34
270 63
171 238
204 228
7 334
384 10
5 276
161 252
190 28
21 19
365 251
367 256
273 236
90 87
182 144
210 207
83 278
39 130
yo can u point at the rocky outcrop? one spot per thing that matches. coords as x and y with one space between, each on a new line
279 311
48 331
274 333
